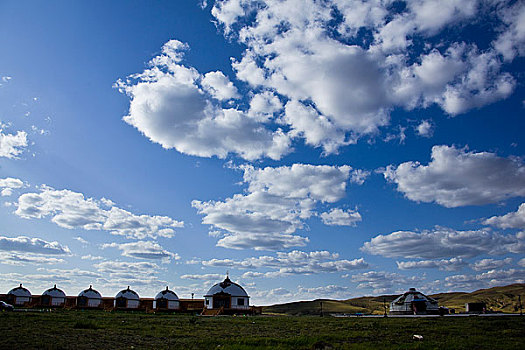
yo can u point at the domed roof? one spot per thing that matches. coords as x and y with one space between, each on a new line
228 287
413 295
20 291
128 294
167 294
90 293
55 292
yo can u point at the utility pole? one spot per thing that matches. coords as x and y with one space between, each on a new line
521 309
321 304
384 307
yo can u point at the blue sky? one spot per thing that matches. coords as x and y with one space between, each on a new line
310 148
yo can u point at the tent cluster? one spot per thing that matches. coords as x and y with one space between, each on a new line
225 295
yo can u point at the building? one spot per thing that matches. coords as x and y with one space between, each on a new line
227 295
19 296
53 297
89 298
414 302
166 300
476 308
127 299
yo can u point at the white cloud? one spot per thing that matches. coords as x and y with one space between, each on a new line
27 258
441 242
81 240
72 210
278 202
522 262
425 129
490 278
452 264
138 272
511 42
339 217
91 257
511 220
457 177
24 244
207 277
383 282
144 250
219 86
341 67
12 145
170 107
490 264
291 263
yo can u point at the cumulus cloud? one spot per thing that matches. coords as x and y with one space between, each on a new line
490 278
23 250
511 220
12 145
8 184
339 217
32 245
72 210
277 202
207 277
131 272
441 242
490 264
382 282
295 262
456 177
177 107
341 67
425 129
452 264
144 250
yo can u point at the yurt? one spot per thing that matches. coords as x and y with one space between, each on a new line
89 298
227 295
127 299
53 297
414 302
166 300
19 296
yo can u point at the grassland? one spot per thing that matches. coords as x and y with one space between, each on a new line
119 330
500 299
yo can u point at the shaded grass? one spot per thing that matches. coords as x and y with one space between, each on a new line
120 330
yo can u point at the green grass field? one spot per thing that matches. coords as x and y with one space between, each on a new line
120 330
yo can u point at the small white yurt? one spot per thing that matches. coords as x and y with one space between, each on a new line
53 297
127 299
414 302
166 300
227 295
89 298
19 296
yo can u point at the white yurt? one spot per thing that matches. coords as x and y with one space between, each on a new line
414 302
228 295
89 298
127 299
166 300
53 297
19 296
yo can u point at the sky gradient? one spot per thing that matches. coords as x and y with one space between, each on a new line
311 148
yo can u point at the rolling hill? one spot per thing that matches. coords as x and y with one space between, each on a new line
504 299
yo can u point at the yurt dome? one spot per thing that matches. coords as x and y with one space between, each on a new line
127 298
227 295
414 302
166 299
19 295
53 297
89 298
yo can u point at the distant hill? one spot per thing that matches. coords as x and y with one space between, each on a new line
503 299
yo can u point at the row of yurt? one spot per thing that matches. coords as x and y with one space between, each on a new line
225 296
90 298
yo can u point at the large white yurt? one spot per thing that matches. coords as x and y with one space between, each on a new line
166 300
127 299
228 295
89 298
414 302
53 297
19 296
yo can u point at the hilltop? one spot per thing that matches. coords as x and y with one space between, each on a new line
503 299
